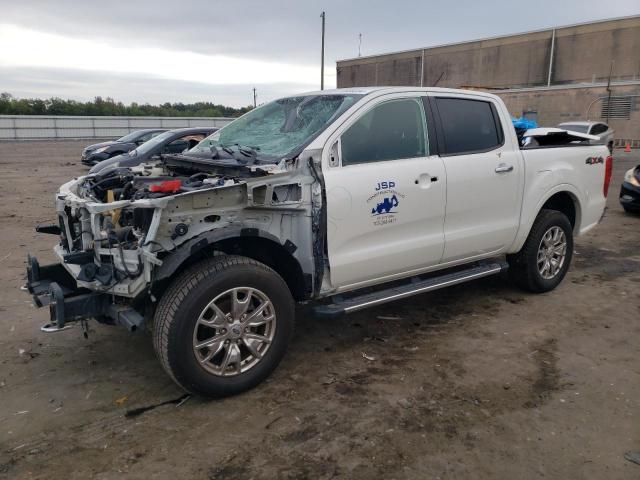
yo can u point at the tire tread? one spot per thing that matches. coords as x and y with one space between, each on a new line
520 270
166 313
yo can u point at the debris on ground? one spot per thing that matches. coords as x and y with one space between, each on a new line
633 457
329 380
368 357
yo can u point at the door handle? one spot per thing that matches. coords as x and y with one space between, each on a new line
432 179
504 168
425 180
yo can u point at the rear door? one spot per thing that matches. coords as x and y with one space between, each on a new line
385 193
484 177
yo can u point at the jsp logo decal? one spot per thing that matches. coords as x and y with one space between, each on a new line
385 186
384 203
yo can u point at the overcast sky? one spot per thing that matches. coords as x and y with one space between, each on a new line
206 50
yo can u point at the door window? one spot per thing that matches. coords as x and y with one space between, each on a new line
390 131
598 128
468 126
145 137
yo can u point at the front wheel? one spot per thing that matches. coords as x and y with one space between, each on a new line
223 326
544 259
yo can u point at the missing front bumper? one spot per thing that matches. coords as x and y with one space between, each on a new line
55 287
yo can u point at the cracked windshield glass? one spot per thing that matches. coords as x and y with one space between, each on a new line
279 129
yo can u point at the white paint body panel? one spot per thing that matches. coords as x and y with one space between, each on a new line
478 213
483 205
364 244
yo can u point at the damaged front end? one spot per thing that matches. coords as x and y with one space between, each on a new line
118 228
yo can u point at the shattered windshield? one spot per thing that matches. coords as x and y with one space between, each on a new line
281 128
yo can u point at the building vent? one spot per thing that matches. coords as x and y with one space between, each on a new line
616 108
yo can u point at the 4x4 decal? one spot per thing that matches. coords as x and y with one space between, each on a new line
594 160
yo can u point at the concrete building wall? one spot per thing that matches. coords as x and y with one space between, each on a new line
581 53
563 104
567 56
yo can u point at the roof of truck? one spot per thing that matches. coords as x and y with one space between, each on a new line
370 90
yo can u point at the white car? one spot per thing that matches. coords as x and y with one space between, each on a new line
599 129
345 198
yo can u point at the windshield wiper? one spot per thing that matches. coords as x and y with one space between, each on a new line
246 150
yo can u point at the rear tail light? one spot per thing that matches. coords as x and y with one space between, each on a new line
608 169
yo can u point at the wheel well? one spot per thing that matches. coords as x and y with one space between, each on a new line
271 254
565 203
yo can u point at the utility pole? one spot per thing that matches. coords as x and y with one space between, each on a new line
254 98
609 92
322 56
551 55
359 44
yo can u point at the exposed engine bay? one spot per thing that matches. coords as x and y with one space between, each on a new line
147 181
117 226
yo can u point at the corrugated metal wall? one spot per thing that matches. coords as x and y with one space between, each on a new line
25 127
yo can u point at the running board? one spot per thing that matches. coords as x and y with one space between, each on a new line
416 287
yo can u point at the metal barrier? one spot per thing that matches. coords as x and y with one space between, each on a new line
30 127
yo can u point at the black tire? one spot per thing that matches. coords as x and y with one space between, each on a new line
523 266
180 307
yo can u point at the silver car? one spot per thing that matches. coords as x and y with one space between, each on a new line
599 129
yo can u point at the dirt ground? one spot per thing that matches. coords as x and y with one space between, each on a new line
478 381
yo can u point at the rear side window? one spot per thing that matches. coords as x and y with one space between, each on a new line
598 129
468 126
390 131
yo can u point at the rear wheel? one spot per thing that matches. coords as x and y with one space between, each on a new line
544 259
223 326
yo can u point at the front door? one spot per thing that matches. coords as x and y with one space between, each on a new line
385 195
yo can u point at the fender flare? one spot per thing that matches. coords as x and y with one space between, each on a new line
176 258
523 231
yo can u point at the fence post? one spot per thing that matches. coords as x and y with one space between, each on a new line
93 125
15 128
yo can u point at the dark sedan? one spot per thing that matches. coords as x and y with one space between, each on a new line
173 141
105 150
630 191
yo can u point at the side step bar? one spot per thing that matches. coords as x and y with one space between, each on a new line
416 287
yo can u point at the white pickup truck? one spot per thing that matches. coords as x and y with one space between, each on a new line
313 198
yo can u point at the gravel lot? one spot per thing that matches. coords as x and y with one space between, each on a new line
477 381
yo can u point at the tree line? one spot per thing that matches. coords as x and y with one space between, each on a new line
10 105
